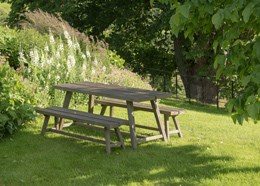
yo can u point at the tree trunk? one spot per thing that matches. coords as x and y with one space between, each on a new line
196 87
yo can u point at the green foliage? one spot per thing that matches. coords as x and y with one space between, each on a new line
4 10
11 42
61 61
124 27
16 101
233 31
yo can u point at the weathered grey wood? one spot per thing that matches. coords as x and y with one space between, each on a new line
111 111
166 111
113 91
76 115
119 137
158 118
107 137
177 126
77 136
79 116
117 92
103 110
167 126
91 102
149 138
131 119
140 106
66 103
56 122
146 127
45 123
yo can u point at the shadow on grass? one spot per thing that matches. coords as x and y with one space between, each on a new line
73 162
196 106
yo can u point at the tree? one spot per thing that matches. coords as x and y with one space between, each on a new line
232 29
123 24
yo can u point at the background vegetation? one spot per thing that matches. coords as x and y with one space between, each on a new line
43 57
210 39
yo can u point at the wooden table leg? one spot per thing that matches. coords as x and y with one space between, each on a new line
158 118
91 102
65 105
131 119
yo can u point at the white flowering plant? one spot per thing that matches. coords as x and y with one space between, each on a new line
64 61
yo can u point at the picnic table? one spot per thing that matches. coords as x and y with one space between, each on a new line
129 95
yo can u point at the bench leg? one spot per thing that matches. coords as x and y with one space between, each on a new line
45 123
56 121
107 138
103 110
177 126
120 137
157 115
111 111
167 126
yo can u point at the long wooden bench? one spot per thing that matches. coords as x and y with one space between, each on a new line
84 119
166 111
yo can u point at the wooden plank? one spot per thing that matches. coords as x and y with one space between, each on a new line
112 144
131 119
77 136
146 127
177 126
149 138
141 106
91 102
66 103
82 116
126 93
157 115
45 123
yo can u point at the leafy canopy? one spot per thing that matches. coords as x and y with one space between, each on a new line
236 43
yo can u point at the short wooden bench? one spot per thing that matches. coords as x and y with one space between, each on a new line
84 119
166 111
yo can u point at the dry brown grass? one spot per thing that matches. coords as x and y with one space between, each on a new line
45 22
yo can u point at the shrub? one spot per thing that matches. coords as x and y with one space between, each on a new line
4 10
11 42
15 100
63 61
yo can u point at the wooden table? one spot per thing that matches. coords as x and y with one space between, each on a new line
127 94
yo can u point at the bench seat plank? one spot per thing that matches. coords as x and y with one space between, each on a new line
166 111
78 116
141 106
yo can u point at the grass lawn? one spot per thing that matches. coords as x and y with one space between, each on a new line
213 151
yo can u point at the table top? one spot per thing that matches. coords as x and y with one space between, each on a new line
113 91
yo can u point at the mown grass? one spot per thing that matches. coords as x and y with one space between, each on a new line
213 151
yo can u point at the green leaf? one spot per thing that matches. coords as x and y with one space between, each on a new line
258 92
234 16
251 99
174 22
185 10
234 118
247 12
217 19
256 48
215 46
245 80
230 106
3 118
219 72
253 111
219 60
